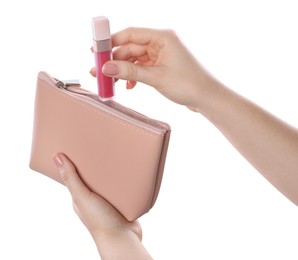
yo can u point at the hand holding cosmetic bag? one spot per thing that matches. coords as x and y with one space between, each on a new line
118 153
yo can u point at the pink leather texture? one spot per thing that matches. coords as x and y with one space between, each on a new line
119 155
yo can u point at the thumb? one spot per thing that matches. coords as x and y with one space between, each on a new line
70 178
128 71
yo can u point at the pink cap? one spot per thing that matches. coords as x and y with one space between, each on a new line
101 28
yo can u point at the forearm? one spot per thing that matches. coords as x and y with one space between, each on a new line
269 144
122 246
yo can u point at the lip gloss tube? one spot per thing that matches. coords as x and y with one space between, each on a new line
102 47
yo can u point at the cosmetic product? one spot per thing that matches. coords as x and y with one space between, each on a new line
102 47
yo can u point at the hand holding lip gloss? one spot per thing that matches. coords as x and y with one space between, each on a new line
102 47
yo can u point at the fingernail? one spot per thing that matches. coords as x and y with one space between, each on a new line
110 69
58 160
128 86
93 71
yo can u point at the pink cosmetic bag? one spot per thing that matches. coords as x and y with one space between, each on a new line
119 153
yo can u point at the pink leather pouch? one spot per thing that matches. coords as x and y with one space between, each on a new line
119 153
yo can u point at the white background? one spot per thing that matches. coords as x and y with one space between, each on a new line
212 203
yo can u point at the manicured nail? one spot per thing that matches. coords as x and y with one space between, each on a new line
58 160
110 69
93 71
128 86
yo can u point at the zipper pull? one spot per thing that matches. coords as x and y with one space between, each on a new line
66 83
74 86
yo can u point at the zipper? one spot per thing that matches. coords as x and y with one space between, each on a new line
112 107
66 83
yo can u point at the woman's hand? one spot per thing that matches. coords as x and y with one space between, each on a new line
157 58
112 233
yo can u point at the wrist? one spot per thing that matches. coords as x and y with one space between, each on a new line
120 244
110 235
210 92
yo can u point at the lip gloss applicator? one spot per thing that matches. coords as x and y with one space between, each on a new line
102 47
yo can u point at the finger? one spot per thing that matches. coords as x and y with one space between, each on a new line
129 71
93 72
70 177
130 84
129 50
134 35
144 61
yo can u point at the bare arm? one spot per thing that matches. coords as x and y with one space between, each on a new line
269 144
